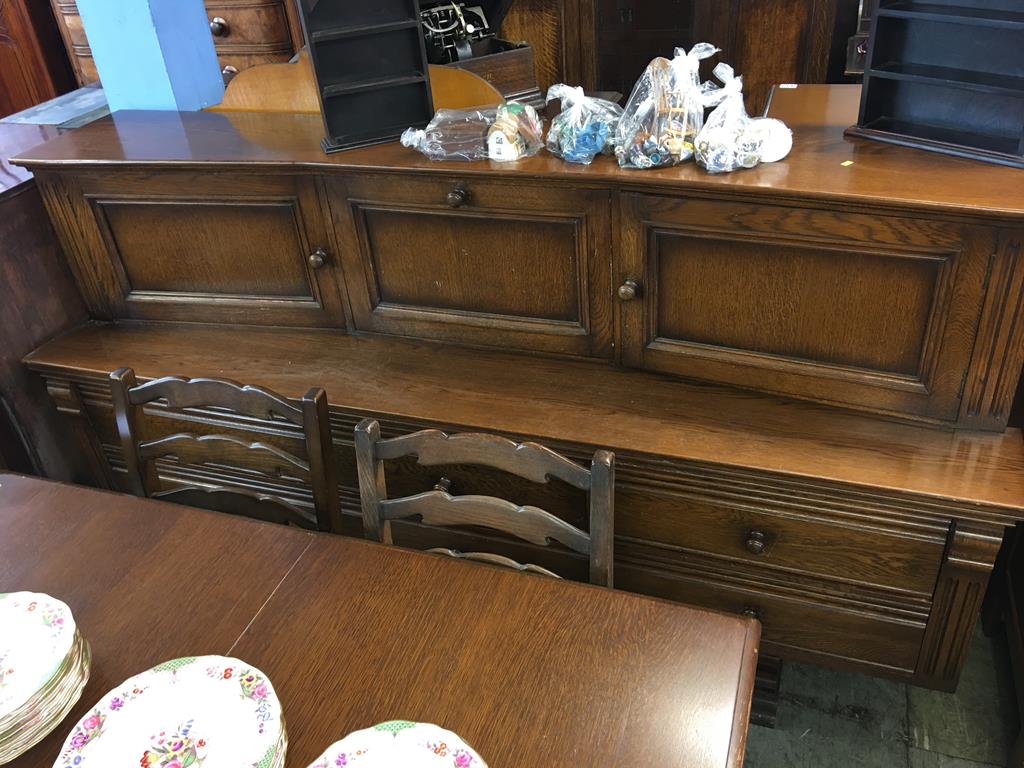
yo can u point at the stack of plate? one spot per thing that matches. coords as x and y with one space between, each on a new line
400 744
207 710
44 665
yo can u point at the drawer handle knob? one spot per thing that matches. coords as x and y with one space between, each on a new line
752 613
757 542
318 258
629 290
444 485
458 197
219 27
229 72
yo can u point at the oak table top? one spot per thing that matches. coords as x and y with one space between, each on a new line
531 671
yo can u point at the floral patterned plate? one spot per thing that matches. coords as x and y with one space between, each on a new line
44 711
37 632
400 743
207 711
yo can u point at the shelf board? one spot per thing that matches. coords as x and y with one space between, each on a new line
327 35
950 77
1009 146
912 9
377 83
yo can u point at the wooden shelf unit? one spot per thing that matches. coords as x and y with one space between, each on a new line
947 77
371 69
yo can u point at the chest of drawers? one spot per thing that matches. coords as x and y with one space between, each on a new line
245 33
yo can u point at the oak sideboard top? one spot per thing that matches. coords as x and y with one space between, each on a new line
824 165
571 401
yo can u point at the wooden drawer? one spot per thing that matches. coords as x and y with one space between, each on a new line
793 627
250 27
201 248
524 267
878 312
787 537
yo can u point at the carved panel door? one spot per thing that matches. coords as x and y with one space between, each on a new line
866 311
481 262
201 248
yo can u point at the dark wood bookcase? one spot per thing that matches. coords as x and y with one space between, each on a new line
947 77
371 69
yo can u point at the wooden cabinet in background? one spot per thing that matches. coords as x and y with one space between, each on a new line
246 33
606 44
33 64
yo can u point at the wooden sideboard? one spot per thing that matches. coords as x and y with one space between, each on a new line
246 33
703 328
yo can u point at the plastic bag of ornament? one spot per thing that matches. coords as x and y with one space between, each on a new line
466 134
730 138
454 134
517 132
665 112
585 128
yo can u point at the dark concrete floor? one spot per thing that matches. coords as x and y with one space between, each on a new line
842 719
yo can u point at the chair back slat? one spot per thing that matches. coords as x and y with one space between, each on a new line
247 400
438 507
529 461
228 450
499 560
269 509
195 449
530 524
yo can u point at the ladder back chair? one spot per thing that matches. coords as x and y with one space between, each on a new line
438 507
190 448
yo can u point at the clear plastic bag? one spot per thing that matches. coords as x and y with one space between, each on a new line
518 132
585 128
665 112
454 134
731 139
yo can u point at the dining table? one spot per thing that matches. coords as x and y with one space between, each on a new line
529 670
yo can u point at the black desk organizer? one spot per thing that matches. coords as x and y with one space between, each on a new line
947 77
371 69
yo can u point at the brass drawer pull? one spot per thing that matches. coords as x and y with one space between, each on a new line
629 290
318 258
757 542
444 485
229 72
458 197
219 27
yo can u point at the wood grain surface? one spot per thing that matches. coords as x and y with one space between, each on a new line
824 164
528 669
146 581
557 401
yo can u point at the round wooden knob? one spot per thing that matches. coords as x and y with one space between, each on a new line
458 197
757 542
219 27
629 290
318 258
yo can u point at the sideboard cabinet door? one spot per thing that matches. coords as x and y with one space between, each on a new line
243 249
876 312
486 263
